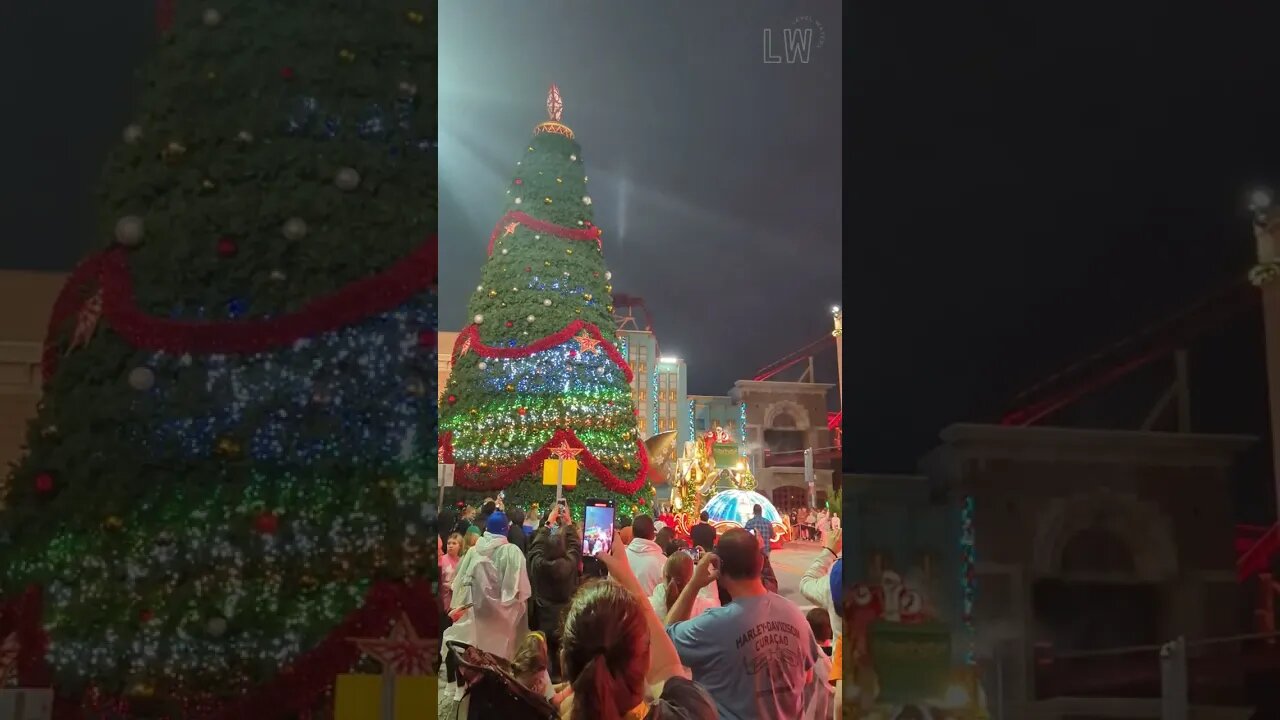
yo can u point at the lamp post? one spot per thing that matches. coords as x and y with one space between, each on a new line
1265 275
837 318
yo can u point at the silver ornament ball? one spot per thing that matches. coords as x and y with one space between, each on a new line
294 228
347 179
216 626
142 378
129 230
478 318
481 365
547 302
531 318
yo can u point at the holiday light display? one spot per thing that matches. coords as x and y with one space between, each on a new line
533 370
968 576
733 508
229 472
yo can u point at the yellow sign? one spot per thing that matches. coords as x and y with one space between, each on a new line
551 471
359 697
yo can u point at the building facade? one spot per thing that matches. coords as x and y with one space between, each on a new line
640 348
782 420
1086 541
26 299
444 359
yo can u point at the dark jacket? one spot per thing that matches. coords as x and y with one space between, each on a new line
703 535
516 536
553 573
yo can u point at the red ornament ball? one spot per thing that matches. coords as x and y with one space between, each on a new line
267 523
528 269
519 181
509 323
227 247
146 616
44 483
522 411
452 399
287 73
573 353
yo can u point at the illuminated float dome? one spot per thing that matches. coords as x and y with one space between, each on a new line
732 508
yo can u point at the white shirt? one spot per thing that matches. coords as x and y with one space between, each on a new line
646 560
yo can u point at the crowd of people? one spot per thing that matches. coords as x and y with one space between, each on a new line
658 627
813 524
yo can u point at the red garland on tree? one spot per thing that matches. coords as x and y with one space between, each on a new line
469 341
365 297
542 226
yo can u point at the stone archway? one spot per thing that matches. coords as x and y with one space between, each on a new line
794 410
1070 529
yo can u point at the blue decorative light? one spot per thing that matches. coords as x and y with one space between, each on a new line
968 577
372 122
742 429
556 370
367 388
653 398
237 307
692 432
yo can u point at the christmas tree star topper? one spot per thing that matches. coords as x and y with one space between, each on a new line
555 106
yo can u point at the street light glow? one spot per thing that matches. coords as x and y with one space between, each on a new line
669 360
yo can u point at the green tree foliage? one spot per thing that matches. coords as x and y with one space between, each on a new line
198 515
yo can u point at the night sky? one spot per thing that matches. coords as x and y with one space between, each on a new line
715 177
1028 182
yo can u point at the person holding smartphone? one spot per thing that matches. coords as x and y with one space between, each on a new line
754 655
555 554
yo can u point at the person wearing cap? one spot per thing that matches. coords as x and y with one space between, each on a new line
490 592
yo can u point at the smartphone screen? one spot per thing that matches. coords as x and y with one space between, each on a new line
597 535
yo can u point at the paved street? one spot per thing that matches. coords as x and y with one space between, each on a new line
789 563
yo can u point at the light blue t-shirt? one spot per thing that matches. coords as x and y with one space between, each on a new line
753 656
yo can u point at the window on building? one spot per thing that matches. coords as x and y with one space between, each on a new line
784 447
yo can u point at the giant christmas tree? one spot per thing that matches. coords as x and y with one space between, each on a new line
537 375
228 474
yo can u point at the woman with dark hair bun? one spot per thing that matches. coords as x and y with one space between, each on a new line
616 654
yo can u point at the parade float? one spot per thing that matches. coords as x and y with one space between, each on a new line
908 617
712 474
